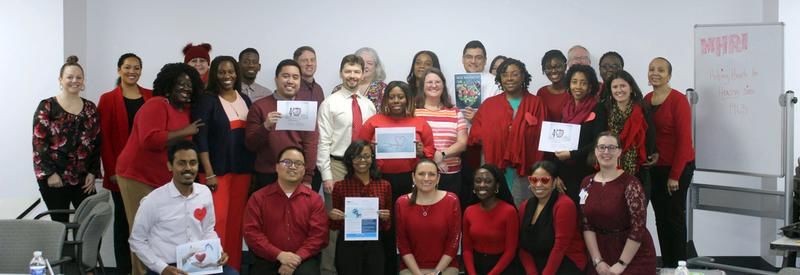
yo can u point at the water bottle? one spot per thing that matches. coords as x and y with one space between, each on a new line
681 270
38 265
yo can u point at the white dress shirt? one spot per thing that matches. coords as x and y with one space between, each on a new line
166 219
335 122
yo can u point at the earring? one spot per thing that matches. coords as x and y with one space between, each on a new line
497 191
60 87
473 191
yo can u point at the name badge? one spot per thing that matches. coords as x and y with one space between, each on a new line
583 195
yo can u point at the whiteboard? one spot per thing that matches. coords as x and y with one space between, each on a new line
738 74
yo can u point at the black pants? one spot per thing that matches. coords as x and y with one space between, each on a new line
308 267
121 247
670 212
359 257
61 198
572 173
401 185
484 263
451 183
259 180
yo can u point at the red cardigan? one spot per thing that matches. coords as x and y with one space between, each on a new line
114 131
568 240
673 122
508 140
423 132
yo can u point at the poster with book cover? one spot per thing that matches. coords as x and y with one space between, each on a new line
468 90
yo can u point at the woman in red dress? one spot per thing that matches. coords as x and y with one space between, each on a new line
615 216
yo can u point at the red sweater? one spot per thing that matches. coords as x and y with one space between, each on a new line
568 240
491 232
114 131
673 122
274 223
509 140
423 133
553 102
429 237
144 157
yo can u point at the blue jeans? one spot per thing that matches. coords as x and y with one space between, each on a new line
226 270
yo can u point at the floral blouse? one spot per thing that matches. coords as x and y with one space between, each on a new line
374 92
65 143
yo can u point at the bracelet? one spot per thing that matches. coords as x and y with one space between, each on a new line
211 177
621 262
597 261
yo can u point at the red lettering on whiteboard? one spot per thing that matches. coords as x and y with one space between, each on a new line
726 44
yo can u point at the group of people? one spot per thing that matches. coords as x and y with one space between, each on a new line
478 181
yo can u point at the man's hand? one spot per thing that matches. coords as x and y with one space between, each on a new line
171 270
290 259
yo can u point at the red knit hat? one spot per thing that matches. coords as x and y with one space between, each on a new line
191 52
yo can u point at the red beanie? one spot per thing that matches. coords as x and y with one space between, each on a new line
191 52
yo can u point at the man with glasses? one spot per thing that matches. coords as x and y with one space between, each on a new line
261 136
610 63
285 224
474 60
578 55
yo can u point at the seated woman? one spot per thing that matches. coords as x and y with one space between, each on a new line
615 216
428 225
362 180
491 228
550 242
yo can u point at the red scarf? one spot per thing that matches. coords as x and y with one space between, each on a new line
633 133
576 113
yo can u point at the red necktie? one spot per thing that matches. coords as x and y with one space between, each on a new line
357 123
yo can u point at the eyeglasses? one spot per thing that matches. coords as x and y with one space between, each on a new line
535 179
363 157
606 148
292 163
474 57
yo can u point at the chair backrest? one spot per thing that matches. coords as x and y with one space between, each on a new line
91 232
19 238
89 203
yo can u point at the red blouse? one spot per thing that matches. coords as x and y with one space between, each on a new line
114 130
424 133
673 123
428 237
491 232
509 140
553 102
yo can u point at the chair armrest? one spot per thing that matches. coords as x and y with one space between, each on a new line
58 262
54 211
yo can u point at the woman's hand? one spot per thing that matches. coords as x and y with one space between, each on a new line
384 214
651 160
672 186
54 181
563 155
212 183
88 185
469 113
616 269
193 128
420 149
336 215
602 268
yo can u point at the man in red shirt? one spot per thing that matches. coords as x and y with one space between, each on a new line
285 225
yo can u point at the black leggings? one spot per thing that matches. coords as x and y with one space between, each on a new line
670 212
61 198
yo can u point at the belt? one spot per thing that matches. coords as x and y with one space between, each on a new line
610 231
337 158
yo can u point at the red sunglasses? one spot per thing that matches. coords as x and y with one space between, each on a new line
535 179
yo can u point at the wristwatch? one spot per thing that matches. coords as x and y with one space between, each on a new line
443 156
596 261
621 262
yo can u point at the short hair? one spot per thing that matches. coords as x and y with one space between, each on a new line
179 145
669 64
248 50
503 57
577 47
413 199
606 134
121 61
72 60
612 53
284 63
637 98
411 78
214 84
410 106
168 76
444 98
352 152
290 148
503 193
588 72
299 51
380 73
504 67
474 44
552 54
351 59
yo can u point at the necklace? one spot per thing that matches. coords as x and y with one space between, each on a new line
425 209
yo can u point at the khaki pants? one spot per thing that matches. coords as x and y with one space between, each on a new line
327 266
132 193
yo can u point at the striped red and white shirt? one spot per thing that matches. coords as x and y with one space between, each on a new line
446 123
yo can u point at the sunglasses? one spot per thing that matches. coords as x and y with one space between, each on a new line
535 179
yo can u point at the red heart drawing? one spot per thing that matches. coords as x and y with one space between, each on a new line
591 117
532 121
200 256
200 213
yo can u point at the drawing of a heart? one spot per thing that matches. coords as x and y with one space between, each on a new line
200 213
591 117
200 256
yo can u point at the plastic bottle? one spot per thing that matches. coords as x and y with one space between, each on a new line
38 265
681 270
